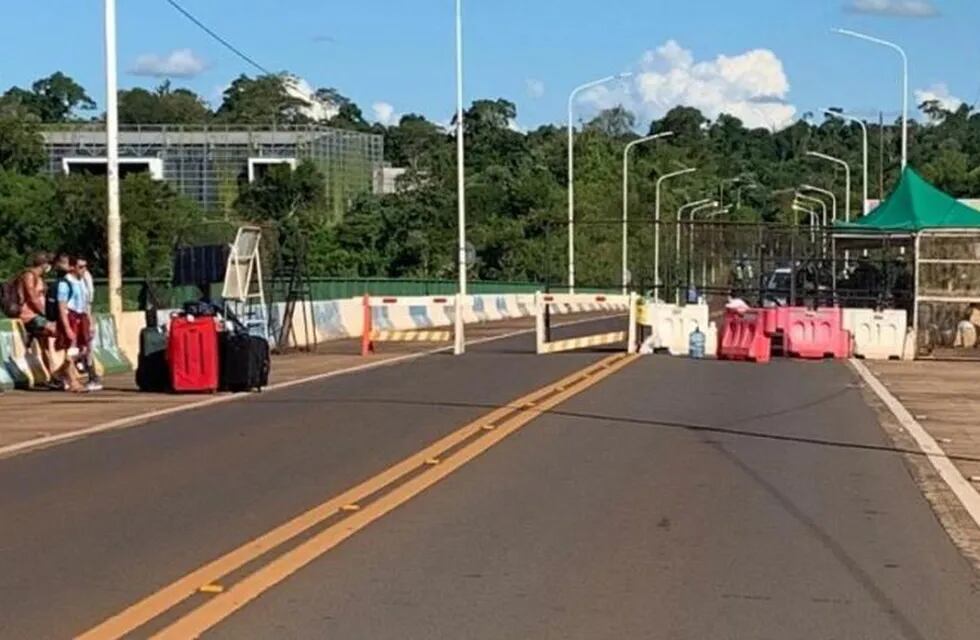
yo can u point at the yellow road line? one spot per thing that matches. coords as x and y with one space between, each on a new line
161 601
214 611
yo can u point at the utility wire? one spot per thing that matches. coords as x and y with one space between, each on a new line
238 52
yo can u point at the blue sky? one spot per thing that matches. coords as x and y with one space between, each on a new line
779 57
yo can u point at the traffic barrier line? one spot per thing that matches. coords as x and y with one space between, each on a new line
143 418
412 336
403 481
959 485
570 344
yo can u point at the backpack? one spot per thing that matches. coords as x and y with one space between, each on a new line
51 310
10 299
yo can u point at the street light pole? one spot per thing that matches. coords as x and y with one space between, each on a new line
113 222
571 169
459 343
829 194
626 154
864 156
677 233
905 84
847 179
823 205
656 228
713 204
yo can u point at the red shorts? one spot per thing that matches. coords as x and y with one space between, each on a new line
81 326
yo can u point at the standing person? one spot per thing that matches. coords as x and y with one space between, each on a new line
68 299
83 277
31 292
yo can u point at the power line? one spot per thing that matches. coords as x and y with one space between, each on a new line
238 52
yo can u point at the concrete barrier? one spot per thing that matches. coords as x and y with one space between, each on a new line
105 345
877 335
343 318
22 367
11 346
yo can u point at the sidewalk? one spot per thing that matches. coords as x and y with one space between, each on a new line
27 416
943 398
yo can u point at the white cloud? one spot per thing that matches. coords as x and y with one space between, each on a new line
940 93
513 125
898 8
751 86
179 63
385 114
535 88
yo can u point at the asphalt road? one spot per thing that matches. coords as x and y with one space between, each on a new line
675 499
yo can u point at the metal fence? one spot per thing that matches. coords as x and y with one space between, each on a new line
948 300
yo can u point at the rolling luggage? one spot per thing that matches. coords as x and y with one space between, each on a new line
192 352
152 370
244 362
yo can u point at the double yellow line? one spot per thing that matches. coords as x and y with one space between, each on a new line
353 510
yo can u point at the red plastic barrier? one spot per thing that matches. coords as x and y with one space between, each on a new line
815 334
743 337
775 320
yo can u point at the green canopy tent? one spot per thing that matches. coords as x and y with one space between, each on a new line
914 206
917 209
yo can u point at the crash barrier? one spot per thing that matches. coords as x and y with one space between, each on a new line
671 326
23 367
383 316
815 334
743 336
11 347
547 301
878 335
105 345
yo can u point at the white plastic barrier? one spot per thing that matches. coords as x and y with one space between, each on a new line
878 335
585 301
672 325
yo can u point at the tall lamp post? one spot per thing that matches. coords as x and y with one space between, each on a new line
826 192
677 232
847 179
905 84
113 222
626 187
713 204
823 205
459 342
656 227
864 152
571 169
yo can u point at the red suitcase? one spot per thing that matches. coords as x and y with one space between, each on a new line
192 352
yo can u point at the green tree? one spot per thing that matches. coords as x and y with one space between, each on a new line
155 220
261 100
21 144
52 99
162 106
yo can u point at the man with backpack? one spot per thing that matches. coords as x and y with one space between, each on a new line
24 299
66 308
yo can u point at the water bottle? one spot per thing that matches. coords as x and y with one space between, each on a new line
696 344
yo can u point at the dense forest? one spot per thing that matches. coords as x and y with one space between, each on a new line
516 182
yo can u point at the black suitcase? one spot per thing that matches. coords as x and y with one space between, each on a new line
244 362
152 370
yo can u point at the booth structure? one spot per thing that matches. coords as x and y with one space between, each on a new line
936 239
